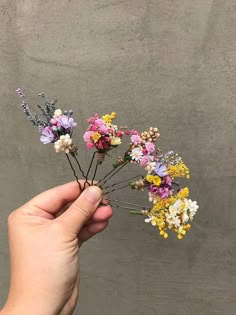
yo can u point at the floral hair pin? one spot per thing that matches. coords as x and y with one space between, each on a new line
169 208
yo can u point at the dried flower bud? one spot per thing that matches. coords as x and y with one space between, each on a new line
139 184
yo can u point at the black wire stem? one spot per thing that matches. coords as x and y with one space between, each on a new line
95 171
110 172
115 170
123 181
90 165
129 208
128 203
80 168
116 189
77 179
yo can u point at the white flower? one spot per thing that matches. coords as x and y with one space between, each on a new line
185 217
57 113
172 218
136 154
63 144
173 221
153 198
150 167
192 206
173 210
179 204
115 140
148 220
151 219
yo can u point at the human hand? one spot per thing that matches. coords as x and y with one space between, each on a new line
44 238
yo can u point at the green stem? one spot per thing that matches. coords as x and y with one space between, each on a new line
137 212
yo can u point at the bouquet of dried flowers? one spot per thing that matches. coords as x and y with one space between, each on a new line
169 209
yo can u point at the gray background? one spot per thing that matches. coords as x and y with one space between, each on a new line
169 64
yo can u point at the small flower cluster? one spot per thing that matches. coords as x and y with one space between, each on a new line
102 134
55 126
161 175
174 212
171 209
59 131
142 147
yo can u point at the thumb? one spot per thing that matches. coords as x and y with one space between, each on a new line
82 209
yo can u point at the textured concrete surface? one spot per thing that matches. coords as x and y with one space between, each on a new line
166 63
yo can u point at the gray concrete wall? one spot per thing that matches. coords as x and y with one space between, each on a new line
166 63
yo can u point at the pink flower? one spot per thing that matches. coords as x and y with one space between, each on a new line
92 119
150 147
110 130
53 121
164 192
100 145
134 132
145 160
135 139
168 180
119 133
103 129
99 122
89 145
87 136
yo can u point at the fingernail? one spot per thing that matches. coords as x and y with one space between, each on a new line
93 194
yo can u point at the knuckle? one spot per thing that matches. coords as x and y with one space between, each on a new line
85 211
12 218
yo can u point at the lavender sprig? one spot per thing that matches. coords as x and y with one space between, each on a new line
26 110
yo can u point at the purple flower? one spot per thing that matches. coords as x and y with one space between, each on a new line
168 180
47 136
161 169
164 192
153 189
66 122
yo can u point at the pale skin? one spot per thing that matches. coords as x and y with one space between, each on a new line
45 235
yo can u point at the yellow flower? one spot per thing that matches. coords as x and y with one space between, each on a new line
115 141
183 193
165 235
96 136
187 226
109 118
164 203
113 115
156 180
178 170
149 178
